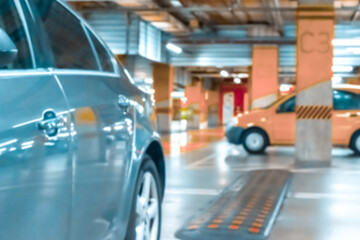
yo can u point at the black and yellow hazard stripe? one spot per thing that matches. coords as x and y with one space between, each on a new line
313 112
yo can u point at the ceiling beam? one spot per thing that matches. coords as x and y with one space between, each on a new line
236 4
237 20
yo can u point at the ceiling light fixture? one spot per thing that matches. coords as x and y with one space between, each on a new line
342 68
355 51
177 94
176 3
149 80
224 73
346 42
184 99
243 75
174 48
237 80
285 87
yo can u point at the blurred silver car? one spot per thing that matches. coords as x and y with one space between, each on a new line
79 158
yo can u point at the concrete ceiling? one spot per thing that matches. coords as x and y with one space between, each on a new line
220 33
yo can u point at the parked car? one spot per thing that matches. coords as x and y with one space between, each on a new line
79 158
276 124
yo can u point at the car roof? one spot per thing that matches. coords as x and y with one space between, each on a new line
344 87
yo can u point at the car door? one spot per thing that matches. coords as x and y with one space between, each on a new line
346 116
284 123
103 123
35 150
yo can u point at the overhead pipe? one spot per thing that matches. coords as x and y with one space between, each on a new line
161 20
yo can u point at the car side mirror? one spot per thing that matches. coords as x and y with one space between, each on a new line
8 50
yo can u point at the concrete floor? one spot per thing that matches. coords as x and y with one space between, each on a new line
322 204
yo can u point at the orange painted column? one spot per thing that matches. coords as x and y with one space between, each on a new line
246 102
264 86
163 76
194 104
315 31
121 58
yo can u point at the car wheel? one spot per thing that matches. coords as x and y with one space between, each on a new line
255 141
145 216
355 143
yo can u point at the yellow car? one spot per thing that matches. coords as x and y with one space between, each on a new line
276 124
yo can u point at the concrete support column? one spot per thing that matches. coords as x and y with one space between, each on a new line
212 101
163 76
315 31
264 86
195 98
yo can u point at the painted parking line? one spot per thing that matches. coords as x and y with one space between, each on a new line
321 196
247 168
256 166
193 191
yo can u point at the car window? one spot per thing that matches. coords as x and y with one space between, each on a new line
69 43
39 41
11 23
104 57
288 106
344 100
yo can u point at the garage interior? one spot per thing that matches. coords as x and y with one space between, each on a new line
207 63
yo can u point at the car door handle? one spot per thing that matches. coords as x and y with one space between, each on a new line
123 102
50 123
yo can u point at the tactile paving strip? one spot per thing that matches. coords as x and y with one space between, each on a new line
247 209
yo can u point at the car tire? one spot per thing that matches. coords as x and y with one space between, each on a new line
254 141
355 143
145 216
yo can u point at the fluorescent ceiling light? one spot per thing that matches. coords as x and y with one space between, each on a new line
346 42
150 91
243 75
184 99
174 48
285 87
177 94
346 85
224 73
342 68
176 3
353 50
237 80
148 81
